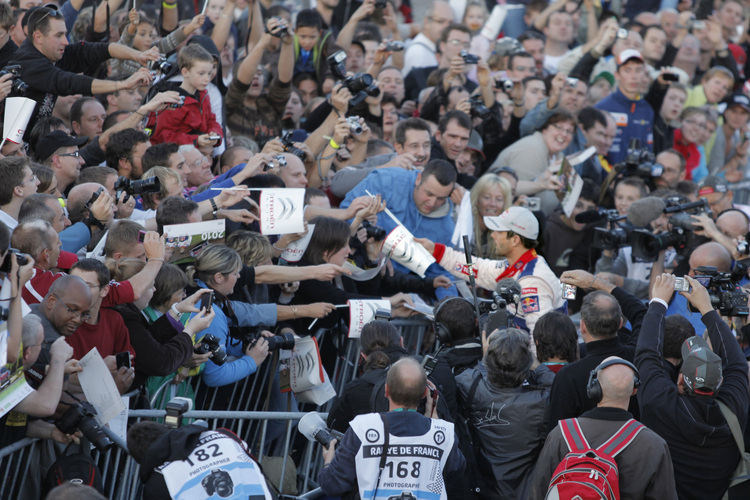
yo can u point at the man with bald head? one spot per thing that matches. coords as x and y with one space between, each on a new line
711 254
601 319
65 307
644 466
293 173
429 446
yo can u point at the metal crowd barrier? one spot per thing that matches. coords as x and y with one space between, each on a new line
237 407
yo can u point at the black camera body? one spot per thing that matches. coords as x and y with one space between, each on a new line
726 295
478 109
21 258
289 147
377 233
18 86
611 239
82 416
137 188
250 336
380 4
210 343
405 495
161 64
468 58
361 85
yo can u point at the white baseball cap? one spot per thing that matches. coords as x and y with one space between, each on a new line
517 219
628 54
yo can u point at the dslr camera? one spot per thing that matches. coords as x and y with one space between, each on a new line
137 188
250 336
82 416
361 85
478 109
21 258
726 295
281 32
405 495
18 86
377 233
210 343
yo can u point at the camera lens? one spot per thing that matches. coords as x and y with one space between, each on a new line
284 341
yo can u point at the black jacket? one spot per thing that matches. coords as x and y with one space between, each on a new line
47 80
663 132
568 398
356 397
159 348
703 450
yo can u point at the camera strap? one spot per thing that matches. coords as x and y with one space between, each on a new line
384 454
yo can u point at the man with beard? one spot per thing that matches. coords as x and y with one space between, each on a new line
412 152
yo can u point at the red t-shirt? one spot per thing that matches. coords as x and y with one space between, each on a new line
38 286
109 336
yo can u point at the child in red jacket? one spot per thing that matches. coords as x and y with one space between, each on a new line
193 122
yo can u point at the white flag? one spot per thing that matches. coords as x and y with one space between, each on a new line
282 211
362 312
18 112
400 246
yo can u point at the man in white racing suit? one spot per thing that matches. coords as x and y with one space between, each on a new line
515 232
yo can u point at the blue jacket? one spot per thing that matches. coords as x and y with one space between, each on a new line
233 369
396 186
635 120
75 237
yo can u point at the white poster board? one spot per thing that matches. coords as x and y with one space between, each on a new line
362 312
296 249
400 246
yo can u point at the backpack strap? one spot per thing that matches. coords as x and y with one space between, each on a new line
622 438
571 432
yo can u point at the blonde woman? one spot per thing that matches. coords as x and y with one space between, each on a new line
490 196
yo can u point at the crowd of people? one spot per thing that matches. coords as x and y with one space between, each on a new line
586 154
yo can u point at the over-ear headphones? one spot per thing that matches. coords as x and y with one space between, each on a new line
442 332
594 388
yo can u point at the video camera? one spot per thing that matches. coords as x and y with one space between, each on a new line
18 86
640 163
646 245
139 187
82 416
361 85
726 295
608 239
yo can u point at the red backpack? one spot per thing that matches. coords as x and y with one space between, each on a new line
586 473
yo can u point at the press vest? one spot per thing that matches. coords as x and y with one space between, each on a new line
414 464
219 465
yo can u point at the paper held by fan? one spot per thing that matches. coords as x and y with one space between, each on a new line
399 245
18 111
296 249
572 185
99 387
359 274
282 211
362 312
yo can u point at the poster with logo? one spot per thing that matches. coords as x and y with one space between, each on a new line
18 112
187 241
362 312
13 386
296 249
400 246
282 211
